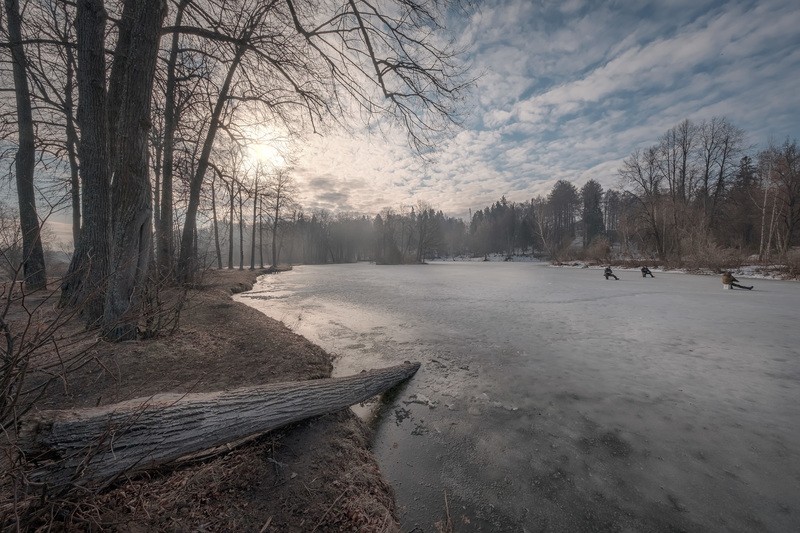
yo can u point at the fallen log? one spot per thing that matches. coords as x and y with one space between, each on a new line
98 444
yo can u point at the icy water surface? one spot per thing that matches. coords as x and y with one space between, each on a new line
552 399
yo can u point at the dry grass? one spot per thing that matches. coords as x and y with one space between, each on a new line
317 474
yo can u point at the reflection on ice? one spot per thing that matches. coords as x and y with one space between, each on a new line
550 399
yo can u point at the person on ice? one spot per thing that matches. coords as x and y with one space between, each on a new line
646 272
729 281
609 274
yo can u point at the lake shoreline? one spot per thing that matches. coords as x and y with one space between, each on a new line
316 474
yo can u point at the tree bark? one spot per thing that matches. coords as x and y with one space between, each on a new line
230 228
32 251
131 193
275 220
253 228
261 231
164 239
72 147
99 444
216 224
85 282
241 227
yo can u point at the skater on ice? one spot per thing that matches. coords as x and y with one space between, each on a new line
729 281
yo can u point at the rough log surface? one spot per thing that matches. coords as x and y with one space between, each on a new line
98 444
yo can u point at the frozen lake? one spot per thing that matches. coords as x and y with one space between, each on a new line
552 399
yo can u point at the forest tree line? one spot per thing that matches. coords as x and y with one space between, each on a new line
697 196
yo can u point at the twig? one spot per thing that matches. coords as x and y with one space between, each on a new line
329 510
266 525
385 522
449 522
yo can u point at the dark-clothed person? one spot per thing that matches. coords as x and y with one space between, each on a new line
729 281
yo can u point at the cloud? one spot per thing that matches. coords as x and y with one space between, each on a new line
569 89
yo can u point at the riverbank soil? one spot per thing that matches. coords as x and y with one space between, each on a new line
315 475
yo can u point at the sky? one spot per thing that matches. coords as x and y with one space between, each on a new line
567 90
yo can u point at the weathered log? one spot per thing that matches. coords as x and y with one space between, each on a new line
98 444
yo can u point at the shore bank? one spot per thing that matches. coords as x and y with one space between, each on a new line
315 475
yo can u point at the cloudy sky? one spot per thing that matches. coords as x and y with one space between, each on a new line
570 88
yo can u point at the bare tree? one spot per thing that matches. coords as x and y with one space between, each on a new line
721 146
785 165
330 56
640 173
32 251
279 194
257 175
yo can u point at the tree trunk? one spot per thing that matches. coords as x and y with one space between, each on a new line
72 147
216 224
241 228
32 251
99 444
768 250
131 194
275 230
186 264
253 229
85 282
158 148
230 229
261 231
761 254
164 244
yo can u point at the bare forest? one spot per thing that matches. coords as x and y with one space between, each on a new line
163 127
142 118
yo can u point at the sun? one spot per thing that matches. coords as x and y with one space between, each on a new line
269 147
267 154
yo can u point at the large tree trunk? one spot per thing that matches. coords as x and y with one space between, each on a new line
98 444
131 194
85 282
32 251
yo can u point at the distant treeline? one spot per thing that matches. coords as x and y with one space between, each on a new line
697 196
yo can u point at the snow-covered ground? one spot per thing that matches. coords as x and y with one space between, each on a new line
492 258
552 399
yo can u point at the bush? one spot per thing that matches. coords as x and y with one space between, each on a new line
599 249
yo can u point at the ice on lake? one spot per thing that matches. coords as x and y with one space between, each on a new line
552 399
